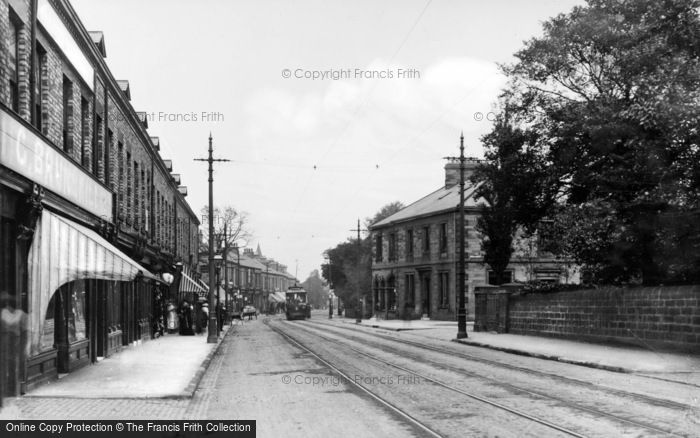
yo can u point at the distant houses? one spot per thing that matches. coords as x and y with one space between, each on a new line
253 279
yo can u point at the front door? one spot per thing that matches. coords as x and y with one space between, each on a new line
425 292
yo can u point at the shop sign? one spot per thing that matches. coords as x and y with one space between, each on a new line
27 154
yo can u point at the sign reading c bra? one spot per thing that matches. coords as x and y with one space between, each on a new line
27 154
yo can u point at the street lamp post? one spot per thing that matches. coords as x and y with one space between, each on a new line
216 309
212 335
237 275
226 286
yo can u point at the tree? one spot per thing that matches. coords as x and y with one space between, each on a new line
345 272
515 189
351 264
384 212
611 91
235 222
317 294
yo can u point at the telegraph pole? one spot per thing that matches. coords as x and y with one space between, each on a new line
212 336
226 299
461 283
461 310
358 315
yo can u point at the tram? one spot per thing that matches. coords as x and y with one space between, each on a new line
297 306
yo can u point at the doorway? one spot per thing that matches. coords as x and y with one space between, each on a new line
425 291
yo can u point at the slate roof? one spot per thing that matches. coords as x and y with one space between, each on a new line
442 200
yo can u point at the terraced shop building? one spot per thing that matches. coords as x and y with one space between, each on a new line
415 255
92 222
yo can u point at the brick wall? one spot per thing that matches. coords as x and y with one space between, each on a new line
656 317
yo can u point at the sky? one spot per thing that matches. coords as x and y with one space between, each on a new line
329 110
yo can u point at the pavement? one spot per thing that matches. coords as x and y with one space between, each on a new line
676 367
170 366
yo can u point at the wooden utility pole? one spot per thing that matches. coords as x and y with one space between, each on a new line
461 282
212 335
358 316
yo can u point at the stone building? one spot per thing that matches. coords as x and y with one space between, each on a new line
93 222
415 255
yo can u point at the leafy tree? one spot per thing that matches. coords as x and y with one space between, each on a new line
351 264
610 92
384 213
514 185
317 294
345 272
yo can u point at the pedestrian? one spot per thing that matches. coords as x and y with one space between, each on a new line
13 343
204 316
186 319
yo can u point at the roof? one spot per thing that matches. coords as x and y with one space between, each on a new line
124 86
245 260
98 38
441 200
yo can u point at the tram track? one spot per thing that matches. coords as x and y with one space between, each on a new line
569 380
460 371
402 413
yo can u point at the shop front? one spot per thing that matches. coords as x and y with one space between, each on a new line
87 301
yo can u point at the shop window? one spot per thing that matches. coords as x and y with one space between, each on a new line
76 311
47 341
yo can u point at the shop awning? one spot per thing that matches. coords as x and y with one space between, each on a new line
276 297
63 251
187 284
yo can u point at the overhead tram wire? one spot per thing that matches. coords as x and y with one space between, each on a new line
359 107
370 180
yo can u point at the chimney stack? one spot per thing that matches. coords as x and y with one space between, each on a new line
452 170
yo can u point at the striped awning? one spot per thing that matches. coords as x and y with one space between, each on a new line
276 297
63 251
187 284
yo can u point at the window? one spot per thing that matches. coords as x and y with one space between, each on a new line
67 114
84 128
128 187
392 247
97 146
443 238
426 240
409 243
136 195
158 226
108 157
410 289
13 61
379 250
444 279
120 176
507 277
39 77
